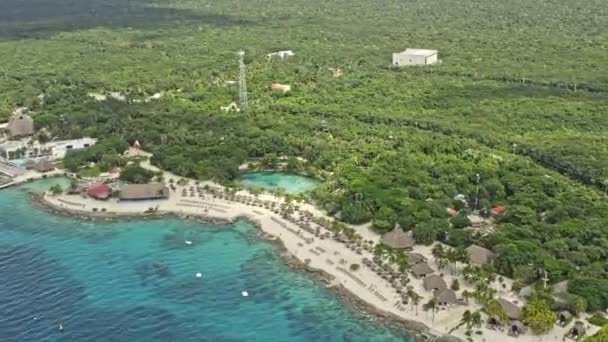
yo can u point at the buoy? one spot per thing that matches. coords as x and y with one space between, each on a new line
188 242
199 274
245 294
60 327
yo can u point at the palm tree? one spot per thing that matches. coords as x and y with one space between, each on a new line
466 295
431 304
496 311
467 319
403 262
476 319
416 301
415 298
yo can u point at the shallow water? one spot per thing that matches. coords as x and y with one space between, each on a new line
291 183
136 281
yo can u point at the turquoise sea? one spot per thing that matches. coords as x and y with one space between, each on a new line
291 183
136 281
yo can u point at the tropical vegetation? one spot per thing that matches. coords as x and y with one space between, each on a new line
514 116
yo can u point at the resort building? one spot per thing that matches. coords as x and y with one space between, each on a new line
141 192
398 239
281 55
434 282
479 255
53 150
415 57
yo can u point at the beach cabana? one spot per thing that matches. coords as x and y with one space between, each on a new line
140 192
398 239
446 297
479 255
434 282
421 270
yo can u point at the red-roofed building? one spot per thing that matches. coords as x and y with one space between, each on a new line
452 211
99 191
499 210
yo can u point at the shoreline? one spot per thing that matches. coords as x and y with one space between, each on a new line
418 330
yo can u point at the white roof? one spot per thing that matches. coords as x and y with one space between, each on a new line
12 145
420 52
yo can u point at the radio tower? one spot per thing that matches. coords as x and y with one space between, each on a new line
242 81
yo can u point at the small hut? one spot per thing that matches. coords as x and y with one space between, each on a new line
421 270
44 166
434 282
446 297
21 125
416 258
512 310
578 330
479 255
564 317
517 328
398 239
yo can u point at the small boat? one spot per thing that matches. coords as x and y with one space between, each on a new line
245 294
188 242
60 327
199 274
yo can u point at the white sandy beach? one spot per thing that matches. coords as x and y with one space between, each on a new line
327 255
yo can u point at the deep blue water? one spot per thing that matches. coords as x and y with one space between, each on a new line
291 183
135 281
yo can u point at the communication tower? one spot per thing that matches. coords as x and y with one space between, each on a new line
242 81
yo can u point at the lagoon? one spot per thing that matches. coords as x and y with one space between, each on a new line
137 280
290 182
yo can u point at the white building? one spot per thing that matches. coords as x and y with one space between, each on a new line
415 57
53 150
282 55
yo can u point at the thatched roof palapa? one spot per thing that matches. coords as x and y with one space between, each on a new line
44 166
446 297
578 329
421 269
434 282
21 125
479 255
397 238
512 310
144 191
416 258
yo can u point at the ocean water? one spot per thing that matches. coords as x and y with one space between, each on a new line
136 281
291 183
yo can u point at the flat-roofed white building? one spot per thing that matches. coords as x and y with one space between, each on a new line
415 57
53 150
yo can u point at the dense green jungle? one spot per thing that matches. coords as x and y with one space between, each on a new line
520 98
